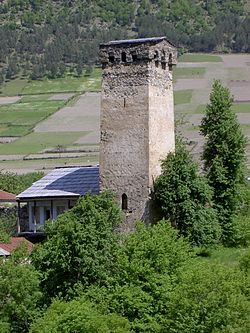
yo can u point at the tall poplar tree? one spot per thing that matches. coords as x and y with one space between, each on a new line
223 155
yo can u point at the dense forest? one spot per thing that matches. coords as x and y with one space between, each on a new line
54 37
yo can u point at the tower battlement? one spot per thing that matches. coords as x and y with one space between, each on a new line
157 50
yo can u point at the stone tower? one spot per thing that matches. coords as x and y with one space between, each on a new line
137 120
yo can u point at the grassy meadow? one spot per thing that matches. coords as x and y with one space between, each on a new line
77 126
83 83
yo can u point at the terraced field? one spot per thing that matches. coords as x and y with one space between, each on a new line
50 123
233 71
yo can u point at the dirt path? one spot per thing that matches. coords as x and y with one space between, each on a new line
9 100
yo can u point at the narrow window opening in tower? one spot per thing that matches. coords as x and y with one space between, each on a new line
157 63
124 102
156 55
124 57
111 58
163 65
170 62
134 57
124 202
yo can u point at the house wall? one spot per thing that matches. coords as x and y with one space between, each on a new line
54 208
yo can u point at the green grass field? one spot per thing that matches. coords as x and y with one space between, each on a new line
29 112
37 142
237 108
237 74
182 96
199 57
67 84
188 72
13 87
47 163
19 86
14 130
226 256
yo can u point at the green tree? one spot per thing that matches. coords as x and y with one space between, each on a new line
147 262
79 316
20 293
14 183
7 224
223 155
209 298
80 247
1 78
184 198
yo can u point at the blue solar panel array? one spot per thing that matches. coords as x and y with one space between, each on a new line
62 182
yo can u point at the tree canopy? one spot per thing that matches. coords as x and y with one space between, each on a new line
80 247
224 155
50 38
184 197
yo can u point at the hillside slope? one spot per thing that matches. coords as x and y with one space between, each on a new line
51 37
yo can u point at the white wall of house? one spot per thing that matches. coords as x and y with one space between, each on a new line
45 209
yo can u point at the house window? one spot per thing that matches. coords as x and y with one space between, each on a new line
124 202
124 58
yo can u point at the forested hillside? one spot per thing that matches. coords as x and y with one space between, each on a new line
49 38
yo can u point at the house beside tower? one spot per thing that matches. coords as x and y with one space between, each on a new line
137 120
136 134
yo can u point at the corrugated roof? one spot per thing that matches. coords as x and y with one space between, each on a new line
135 41
64 182
7 248
7 197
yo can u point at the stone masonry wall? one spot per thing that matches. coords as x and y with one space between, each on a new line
137 124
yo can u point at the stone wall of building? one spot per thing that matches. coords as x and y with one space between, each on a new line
137 121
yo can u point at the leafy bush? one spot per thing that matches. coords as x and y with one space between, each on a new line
7 224
15 183
209 298
80 247
20 293
185 198
147 262
79 316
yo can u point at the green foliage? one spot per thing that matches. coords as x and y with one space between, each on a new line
185 197
54 37
7 224
147 261
224 156
159 287
20 294
15 183
209 298
80 247
78 316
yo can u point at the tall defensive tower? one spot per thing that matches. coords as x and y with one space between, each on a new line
137 119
